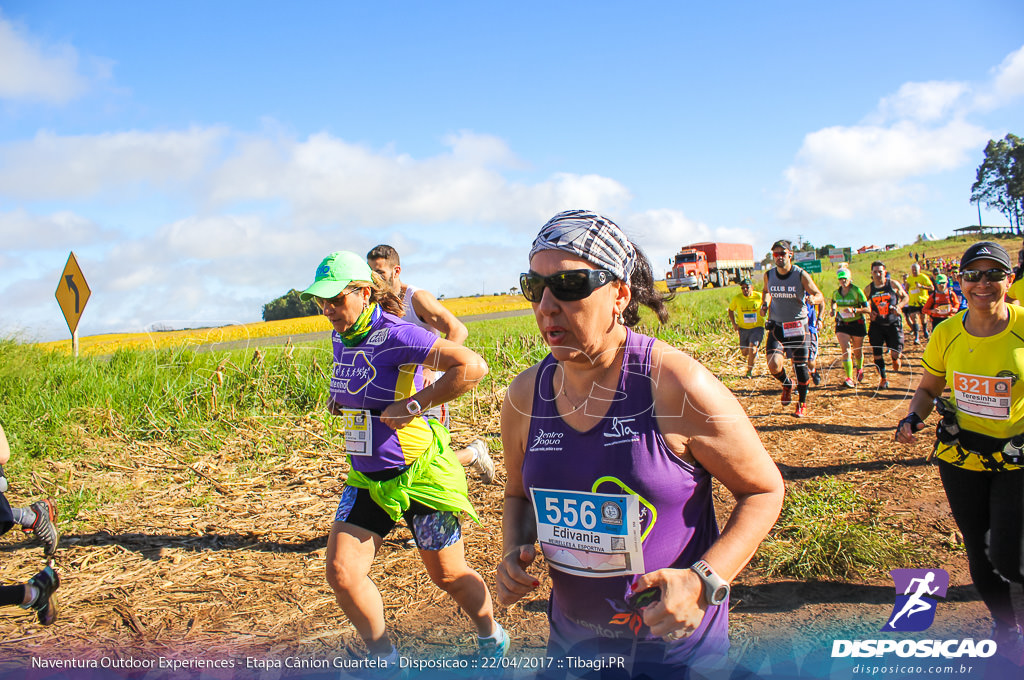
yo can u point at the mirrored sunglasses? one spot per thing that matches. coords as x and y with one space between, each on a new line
974 275
567 286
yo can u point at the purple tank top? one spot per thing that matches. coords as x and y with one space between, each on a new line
627 447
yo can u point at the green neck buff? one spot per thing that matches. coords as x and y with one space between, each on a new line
361 328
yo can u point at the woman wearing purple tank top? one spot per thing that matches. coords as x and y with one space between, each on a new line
611 443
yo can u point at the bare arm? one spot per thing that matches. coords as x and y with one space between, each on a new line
463 369
930 387
901 292
5 449
701 420
518 522
811 287
929 305
732 318
766 297
434 314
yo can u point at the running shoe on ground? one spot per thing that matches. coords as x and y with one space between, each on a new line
492 649
816 378
787 394
44 528
800 411
750 373
1009 642
860 374
897 364
849 383
382 668
883 384
45 605
483 465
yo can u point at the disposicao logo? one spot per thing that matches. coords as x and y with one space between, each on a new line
914 610
916 590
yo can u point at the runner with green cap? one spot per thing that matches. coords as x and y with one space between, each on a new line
401 462
942 302
849 305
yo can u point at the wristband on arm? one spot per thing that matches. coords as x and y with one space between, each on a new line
913 420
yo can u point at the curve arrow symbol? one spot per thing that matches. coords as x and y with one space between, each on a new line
71 286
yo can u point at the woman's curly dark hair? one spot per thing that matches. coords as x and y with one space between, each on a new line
641 286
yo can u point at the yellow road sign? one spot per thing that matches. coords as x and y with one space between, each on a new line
72 293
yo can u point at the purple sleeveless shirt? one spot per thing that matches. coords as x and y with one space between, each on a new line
627 446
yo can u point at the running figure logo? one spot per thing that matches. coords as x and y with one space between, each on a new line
914 610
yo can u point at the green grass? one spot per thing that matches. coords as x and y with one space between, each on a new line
52 404
828 531
47 398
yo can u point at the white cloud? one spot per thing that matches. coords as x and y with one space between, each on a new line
1008 82
34 72
923 101
875 170
321 180
661 233
50 166
219 224
226 237
868 172
325 179
21 230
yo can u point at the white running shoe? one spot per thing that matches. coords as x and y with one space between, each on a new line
482 464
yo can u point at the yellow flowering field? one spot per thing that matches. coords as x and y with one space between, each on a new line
485 304
111 342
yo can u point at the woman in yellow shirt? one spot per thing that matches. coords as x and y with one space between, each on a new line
979 354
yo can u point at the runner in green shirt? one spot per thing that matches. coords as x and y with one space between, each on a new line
849 305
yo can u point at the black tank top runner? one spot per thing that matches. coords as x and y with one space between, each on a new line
885 302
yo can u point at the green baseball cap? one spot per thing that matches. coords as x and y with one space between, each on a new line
843 274
941 278
335 273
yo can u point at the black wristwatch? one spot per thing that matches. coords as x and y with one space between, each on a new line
716 589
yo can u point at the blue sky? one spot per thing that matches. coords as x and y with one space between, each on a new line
200 158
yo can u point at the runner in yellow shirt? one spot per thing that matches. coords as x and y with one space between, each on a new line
918 287
745 315
979 355
1016 292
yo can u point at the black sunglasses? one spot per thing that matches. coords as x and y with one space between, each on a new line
974 275
567 286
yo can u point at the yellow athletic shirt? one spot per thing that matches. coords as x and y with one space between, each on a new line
747 310
984 375
918 288
1017 291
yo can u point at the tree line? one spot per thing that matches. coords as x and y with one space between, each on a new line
1000 180
289 306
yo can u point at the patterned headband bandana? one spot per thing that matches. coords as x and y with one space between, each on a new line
590 236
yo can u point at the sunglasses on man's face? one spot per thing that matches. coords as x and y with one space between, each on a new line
335 301
974 275
567 286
